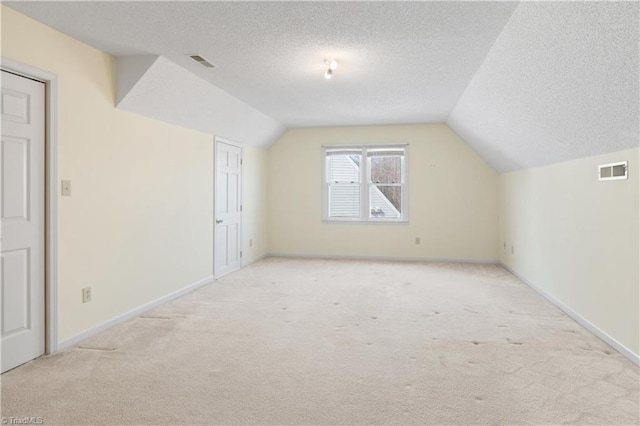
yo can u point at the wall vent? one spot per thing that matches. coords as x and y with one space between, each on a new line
202 61
613 171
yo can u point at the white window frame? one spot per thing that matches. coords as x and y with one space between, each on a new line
365 183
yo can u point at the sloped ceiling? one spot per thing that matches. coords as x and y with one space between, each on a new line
158 88
561 82
525 84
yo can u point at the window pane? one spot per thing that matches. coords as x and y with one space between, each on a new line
374 152
344 151
344 201
386 169
344 168
618 170
385 201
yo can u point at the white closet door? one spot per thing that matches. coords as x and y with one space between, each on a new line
22 220
228 208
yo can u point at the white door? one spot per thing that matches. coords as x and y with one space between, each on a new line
227 250
22 211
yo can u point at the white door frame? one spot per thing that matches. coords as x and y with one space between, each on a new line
51 194
215 188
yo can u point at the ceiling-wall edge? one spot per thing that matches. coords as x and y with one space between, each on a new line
155 87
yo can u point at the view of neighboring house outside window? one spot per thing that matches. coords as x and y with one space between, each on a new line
365 183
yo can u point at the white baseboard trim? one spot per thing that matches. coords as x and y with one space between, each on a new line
598 332
385 258
254 260
74 340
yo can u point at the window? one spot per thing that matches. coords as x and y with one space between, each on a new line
365 183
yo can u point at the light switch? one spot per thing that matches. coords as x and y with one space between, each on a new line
66 188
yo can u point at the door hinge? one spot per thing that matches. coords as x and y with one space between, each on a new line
240 254
240 208
241 161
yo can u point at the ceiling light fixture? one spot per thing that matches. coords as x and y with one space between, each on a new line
332 64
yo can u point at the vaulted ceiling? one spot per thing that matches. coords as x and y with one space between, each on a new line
560 82
525 84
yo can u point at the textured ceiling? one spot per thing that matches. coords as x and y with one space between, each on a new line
399 62
561 82
524 84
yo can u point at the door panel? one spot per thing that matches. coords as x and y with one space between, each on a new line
15 105
15 178
15 297
228 208
22 284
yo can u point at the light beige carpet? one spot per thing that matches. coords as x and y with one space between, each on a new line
288 341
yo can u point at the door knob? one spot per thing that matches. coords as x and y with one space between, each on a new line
219 221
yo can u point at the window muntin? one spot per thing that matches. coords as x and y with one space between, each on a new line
373 193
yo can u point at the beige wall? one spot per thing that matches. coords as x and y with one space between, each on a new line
577 239
139 222
452 197
255 241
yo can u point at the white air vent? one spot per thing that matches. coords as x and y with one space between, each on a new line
202 61
613 171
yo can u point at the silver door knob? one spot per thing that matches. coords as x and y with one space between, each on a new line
219 221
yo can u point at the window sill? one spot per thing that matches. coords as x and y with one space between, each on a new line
365 222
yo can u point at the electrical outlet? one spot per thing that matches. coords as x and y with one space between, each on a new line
417 240
86 294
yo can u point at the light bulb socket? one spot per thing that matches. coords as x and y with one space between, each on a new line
328 74
332 64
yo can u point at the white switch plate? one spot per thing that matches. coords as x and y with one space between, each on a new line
66 188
